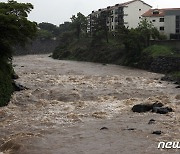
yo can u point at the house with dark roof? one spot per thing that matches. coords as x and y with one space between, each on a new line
167 21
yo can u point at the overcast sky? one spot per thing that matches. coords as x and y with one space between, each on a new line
58 11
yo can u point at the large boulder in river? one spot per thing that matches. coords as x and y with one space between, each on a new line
145 107
162 110
156 108
142 108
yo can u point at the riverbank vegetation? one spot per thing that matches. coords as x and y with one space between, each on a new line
15 29
130 47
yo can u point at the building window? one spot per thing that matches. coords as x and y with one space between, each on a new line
112 19
177 24
161 20
161 28
139 9
154 20
120 10
156 11
112 27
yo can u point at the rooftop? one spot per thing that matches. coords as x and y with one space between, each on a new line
158 12
123 5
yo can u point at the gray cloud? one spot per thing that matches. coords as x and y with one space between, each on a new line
58 11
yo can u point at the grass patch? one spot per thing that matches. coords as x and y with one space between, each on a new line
158 50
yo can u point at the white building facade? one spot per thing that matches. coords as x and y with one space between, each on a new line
128 14
167 21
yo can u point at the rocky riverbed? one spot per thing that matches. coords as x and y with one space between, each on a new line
85 108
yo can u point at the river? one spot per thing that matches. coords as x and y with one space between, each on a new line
85 108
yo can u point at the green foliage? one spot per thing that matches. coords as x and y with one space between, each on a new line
44 34
100 30
83 50
123 46
66 26
50 28
6 88
79 24
158 50
14 24
136 40
146 29
134 44
15 29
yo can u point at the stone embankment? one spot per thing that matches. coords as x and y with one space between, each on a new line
165 64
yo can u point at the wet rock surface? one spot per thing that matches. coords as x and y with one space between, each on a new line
68 102
155 107
18 86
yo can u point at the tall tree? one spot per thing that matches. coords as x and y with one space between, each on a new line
148 30
99 26
15 28
79 23
49 27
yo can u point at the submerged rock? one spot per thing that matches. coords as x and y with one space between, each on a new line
18 87
151 121
177 86
157 132
104 128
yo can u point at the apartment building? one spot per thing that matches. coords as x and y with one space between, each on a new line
167 21
128 14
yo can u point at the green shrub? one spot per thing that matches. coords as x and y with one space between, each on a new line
84 50
6 87
158 50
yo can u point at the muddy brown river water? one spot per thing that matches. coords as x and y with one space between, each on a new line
68 103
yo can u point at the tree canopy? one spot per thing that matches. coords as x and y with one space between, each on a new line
79 23
53 29
15 28
99 26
